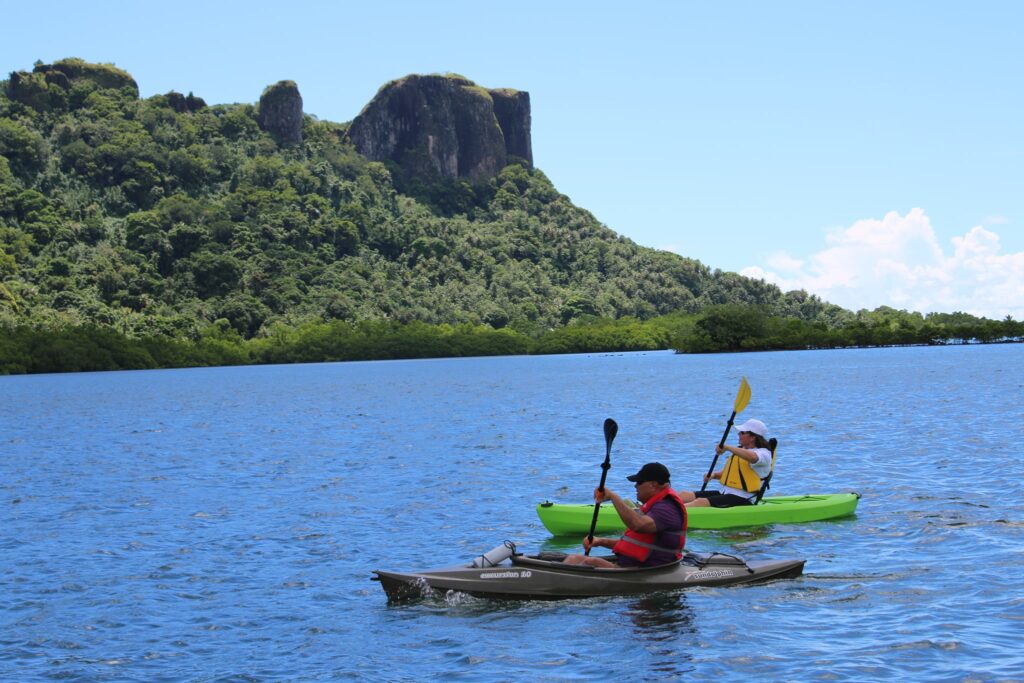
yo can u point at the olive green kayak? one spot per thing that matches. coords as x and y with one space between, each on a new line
564 520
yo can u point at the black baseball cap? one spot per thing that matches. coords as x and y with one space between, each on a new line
652 471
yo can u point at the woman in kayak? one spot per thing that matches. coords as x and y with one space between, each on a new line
656 532
740 479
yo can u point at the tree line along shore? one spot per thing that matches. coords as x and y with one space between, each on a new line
723 328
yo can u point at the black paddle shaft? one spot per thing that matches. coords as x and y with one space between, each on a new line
611 428
720 444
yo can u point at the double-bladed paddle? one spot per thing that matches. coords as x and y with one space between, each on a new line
610 430
742 399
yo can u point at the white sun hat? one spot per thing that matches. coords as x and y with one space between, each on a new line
755 426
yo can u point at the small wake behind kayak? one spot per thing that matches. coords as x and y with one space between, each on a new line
546 577
575 519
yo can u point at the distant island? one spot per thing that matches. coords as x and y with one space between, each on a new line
166 232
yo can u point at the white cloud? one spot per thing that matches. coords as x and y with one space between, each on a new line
898 261
780 260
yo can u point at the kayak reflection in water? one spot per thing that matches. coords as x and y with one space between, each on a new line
655 532
740 479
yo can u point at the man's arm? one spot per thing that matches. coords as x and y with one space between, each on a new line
633 518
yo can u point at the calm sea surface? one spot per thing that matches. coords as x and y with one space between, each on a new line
222 524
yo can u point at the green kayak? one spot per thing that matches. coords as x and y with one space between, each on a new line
563 520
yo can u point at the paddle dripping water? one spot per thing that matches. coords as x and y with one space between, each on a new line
222 524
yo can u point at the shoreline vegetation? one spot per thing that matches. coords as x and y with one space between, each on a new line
722 328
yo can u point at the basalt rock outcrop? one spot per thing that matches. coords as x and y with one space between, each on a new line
512 109
280 112
444 126
48 85
184 104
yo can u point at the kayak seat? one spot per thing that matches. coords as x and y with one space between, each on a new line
766 484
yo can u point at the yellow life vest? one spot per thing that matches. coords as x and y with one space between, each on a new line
738 474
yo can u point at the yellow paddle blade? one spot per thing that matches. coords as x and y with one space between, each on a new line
742 396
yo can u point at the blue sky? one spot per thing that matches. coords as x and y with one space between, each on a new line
870 152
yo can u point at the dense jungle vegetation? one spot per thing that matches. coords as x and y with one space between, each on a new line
163 232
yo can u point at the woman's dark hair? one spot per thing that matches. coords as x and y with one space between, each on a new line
761 442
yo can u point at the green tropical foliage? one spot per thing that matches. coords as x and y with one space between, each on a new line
162 232
732 327
92 347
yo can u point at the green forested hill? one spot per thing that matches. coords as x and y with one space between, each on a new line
163 232
161 216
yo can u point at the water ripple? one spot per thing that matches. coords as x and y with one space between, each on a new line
221 524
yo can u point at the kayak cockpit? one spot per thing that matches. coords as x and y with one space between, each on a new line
556 560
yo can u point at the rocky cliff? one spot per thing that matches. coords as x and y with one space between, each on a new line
512 109
281 112
444 125
49 85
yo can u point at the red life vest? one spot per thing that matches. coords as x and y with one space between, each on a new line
639 546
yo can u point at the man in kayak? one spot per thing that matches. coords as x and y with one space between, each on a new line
655 533
740 479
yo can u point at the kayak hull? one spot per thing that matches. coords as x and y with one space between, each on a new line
575 519
538 577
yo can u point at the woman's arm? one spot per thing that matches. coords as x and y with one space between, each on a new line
745 453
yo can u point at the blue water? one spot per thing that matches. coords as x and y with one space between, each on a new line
222 524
